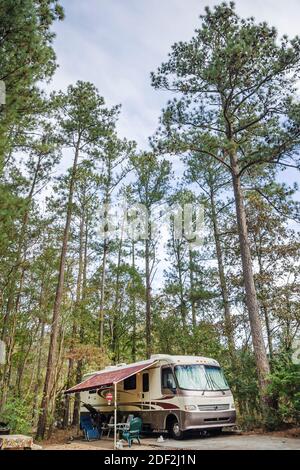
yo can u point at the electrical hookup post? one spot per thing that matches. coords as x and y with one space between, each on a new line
109 397
115 415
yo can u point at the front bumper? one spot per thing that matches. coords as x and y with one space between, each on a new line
204 420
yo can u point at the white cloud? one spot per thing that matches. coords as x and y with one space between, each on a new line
117 43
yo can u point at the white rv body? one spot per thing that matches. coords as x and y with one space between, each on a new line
157 396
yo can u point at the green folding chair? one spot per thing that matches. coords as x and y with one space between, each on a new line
134 431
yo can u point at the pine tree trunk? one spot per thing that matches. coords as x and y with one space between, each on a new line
263 302
57 372
262 363
22 364
21 253
76 409
268 329
16 277
74 329
133 310
79 368
222 278
183 311
191 274
42 424
38 381
102 294
6 378
66 416
148 299
103 273
116 311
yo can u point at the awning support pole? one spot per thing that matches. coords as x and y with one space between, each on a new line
115 416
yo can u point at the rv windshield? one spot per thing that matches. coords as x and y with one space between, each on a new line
200 377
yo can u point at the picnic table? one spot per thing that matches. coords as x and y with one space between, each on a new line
15 442
119 426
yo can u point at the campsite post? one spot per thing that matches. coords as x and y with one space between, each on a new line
115 415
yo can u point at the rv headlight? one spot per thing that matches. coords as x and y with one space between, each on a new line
190 407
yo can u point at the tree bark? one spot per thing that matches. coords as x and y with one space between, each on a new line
148 299
262 363
102 294
21 252
79 367
103 273
38 381
6 378
262 300
66 418
191 274
116 311
42 424
222 278
183 309
133 310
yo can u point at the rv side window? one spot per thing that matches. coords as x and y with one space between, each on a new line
167 379
130 383
146 382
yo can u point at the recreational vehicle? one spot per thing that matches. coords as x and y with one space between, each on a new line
170 393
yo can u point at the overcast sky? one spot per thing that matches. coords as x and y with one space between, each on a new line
117 43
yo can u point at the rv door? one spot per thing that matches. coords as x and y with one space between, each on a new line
145 388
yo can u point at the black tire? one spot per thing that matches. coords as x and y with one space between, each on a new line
215 431
175 431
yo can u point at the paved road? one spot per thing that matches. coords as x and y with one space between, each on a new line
233 442
227 441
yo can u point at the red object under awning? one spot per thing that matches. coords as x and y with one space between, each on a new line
111 377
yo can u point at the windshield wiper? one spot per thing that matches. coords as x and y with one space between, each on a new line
214 385
207 382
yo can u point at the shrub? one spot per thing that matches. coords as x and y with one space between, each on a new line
285 386
18 415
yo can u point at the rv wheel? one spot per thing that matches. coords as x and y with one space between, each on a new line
175 430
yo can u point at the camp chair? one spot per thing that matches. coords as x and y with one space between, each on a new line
128 421
90 432
124 426
133 432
